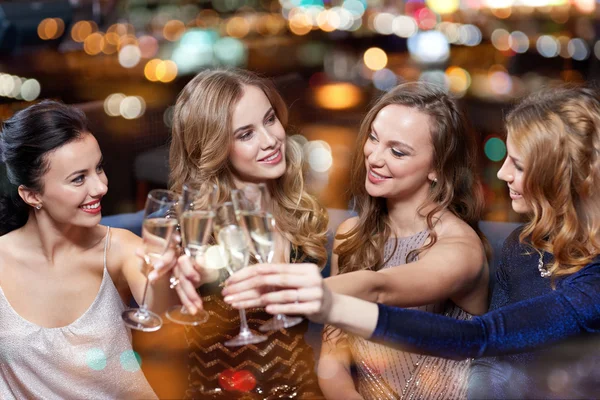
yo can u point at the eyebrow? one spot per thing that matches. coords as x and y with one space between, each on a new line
396 142
515 160
82 171
243 128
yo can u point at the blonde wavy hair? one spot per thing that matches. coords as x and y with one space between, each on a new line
199 154
458 188
557 132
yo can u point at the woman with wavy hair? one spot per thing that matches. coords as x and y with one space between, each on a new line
419 201
539 339
229 130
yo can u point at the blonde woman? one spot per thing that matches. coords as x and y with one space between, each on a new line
548 290
229 129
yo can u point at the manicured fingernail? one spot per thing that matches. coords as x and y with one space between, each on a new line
192 310
159 265
198 303
228 299
152 276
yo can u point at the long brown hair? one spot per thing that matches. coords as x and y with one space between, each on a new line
458 188
199 154
557 132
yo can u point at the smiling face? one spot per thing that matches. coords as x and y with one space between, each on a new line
511 172
257 152
74 183
399 154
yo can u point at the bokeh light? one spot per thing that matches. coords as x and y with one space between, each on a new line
132 107
130 361
130 56
385 79
547 46
112 104
443 6
338 96
30 90
429 47
495 149
173 30
95 359
375 58
404 26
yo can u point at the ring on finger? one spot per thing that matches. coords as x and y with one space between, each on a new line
173 282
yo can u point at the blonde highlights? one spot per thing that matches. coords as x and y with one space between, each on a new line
458 188
199 154
557 133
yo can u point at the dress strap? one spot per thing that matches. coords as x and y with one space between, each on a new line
106 244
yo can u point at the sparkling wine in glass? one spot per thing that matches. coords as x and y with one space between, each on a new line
160 221
252 205
236 252
196 214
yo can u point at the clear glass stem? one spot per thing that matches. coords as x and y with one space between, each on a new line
143 308
244 330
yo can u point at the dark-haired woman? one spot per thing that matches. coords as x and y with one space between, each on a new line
64 278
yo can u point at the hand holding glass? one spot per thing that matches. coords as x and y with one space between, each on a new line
234 244
196 214
252 204
160 221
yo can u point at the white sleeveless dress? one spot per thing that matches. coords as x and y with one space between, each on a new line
91 358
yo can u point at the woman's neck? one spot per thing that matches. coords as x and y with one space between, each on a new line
49 238
408 217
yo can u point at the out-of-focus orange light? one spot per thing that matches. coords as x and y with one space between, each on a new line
338 96
300 24
166 71
127 40
150 69
82 29
94 43
173 30
237 27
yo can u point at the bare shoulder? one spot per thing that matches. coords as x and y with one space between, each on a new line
457 236
347 226
123 242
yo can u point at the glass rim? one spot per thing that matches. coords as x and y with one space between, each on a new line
177 196
187 186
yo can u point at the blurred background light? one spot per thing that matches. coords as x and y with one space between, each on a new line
429 47
338 96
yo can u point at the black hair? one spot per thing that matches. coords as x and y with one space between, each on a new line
25 140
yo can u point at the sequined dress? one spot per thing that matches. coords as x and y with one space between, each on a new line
282 367
91 358
386 373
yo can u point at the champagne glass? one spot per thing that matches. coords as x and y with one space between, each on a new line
160 221
196 214
252 205
234 245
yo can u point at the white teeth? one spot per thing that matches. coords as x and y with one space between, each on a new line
274 156
514 193
375 175
91 207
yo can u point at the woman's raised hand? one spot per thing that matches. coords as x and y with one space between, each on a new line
299 289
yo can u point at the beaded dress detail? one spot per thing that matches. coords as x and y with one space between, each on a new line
282 367
386 373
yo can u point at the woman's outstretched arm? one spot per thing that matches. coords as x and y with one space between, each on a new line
573 308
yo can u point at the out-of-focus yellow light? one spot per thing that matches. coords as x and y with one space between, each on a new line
112 38
375 58
459 80
94 43
300 24
271 24
237 27
443 6
338 96
173 30
166 71
150 69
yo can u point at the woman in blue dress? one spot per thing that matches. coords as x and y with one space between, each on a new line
546 304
